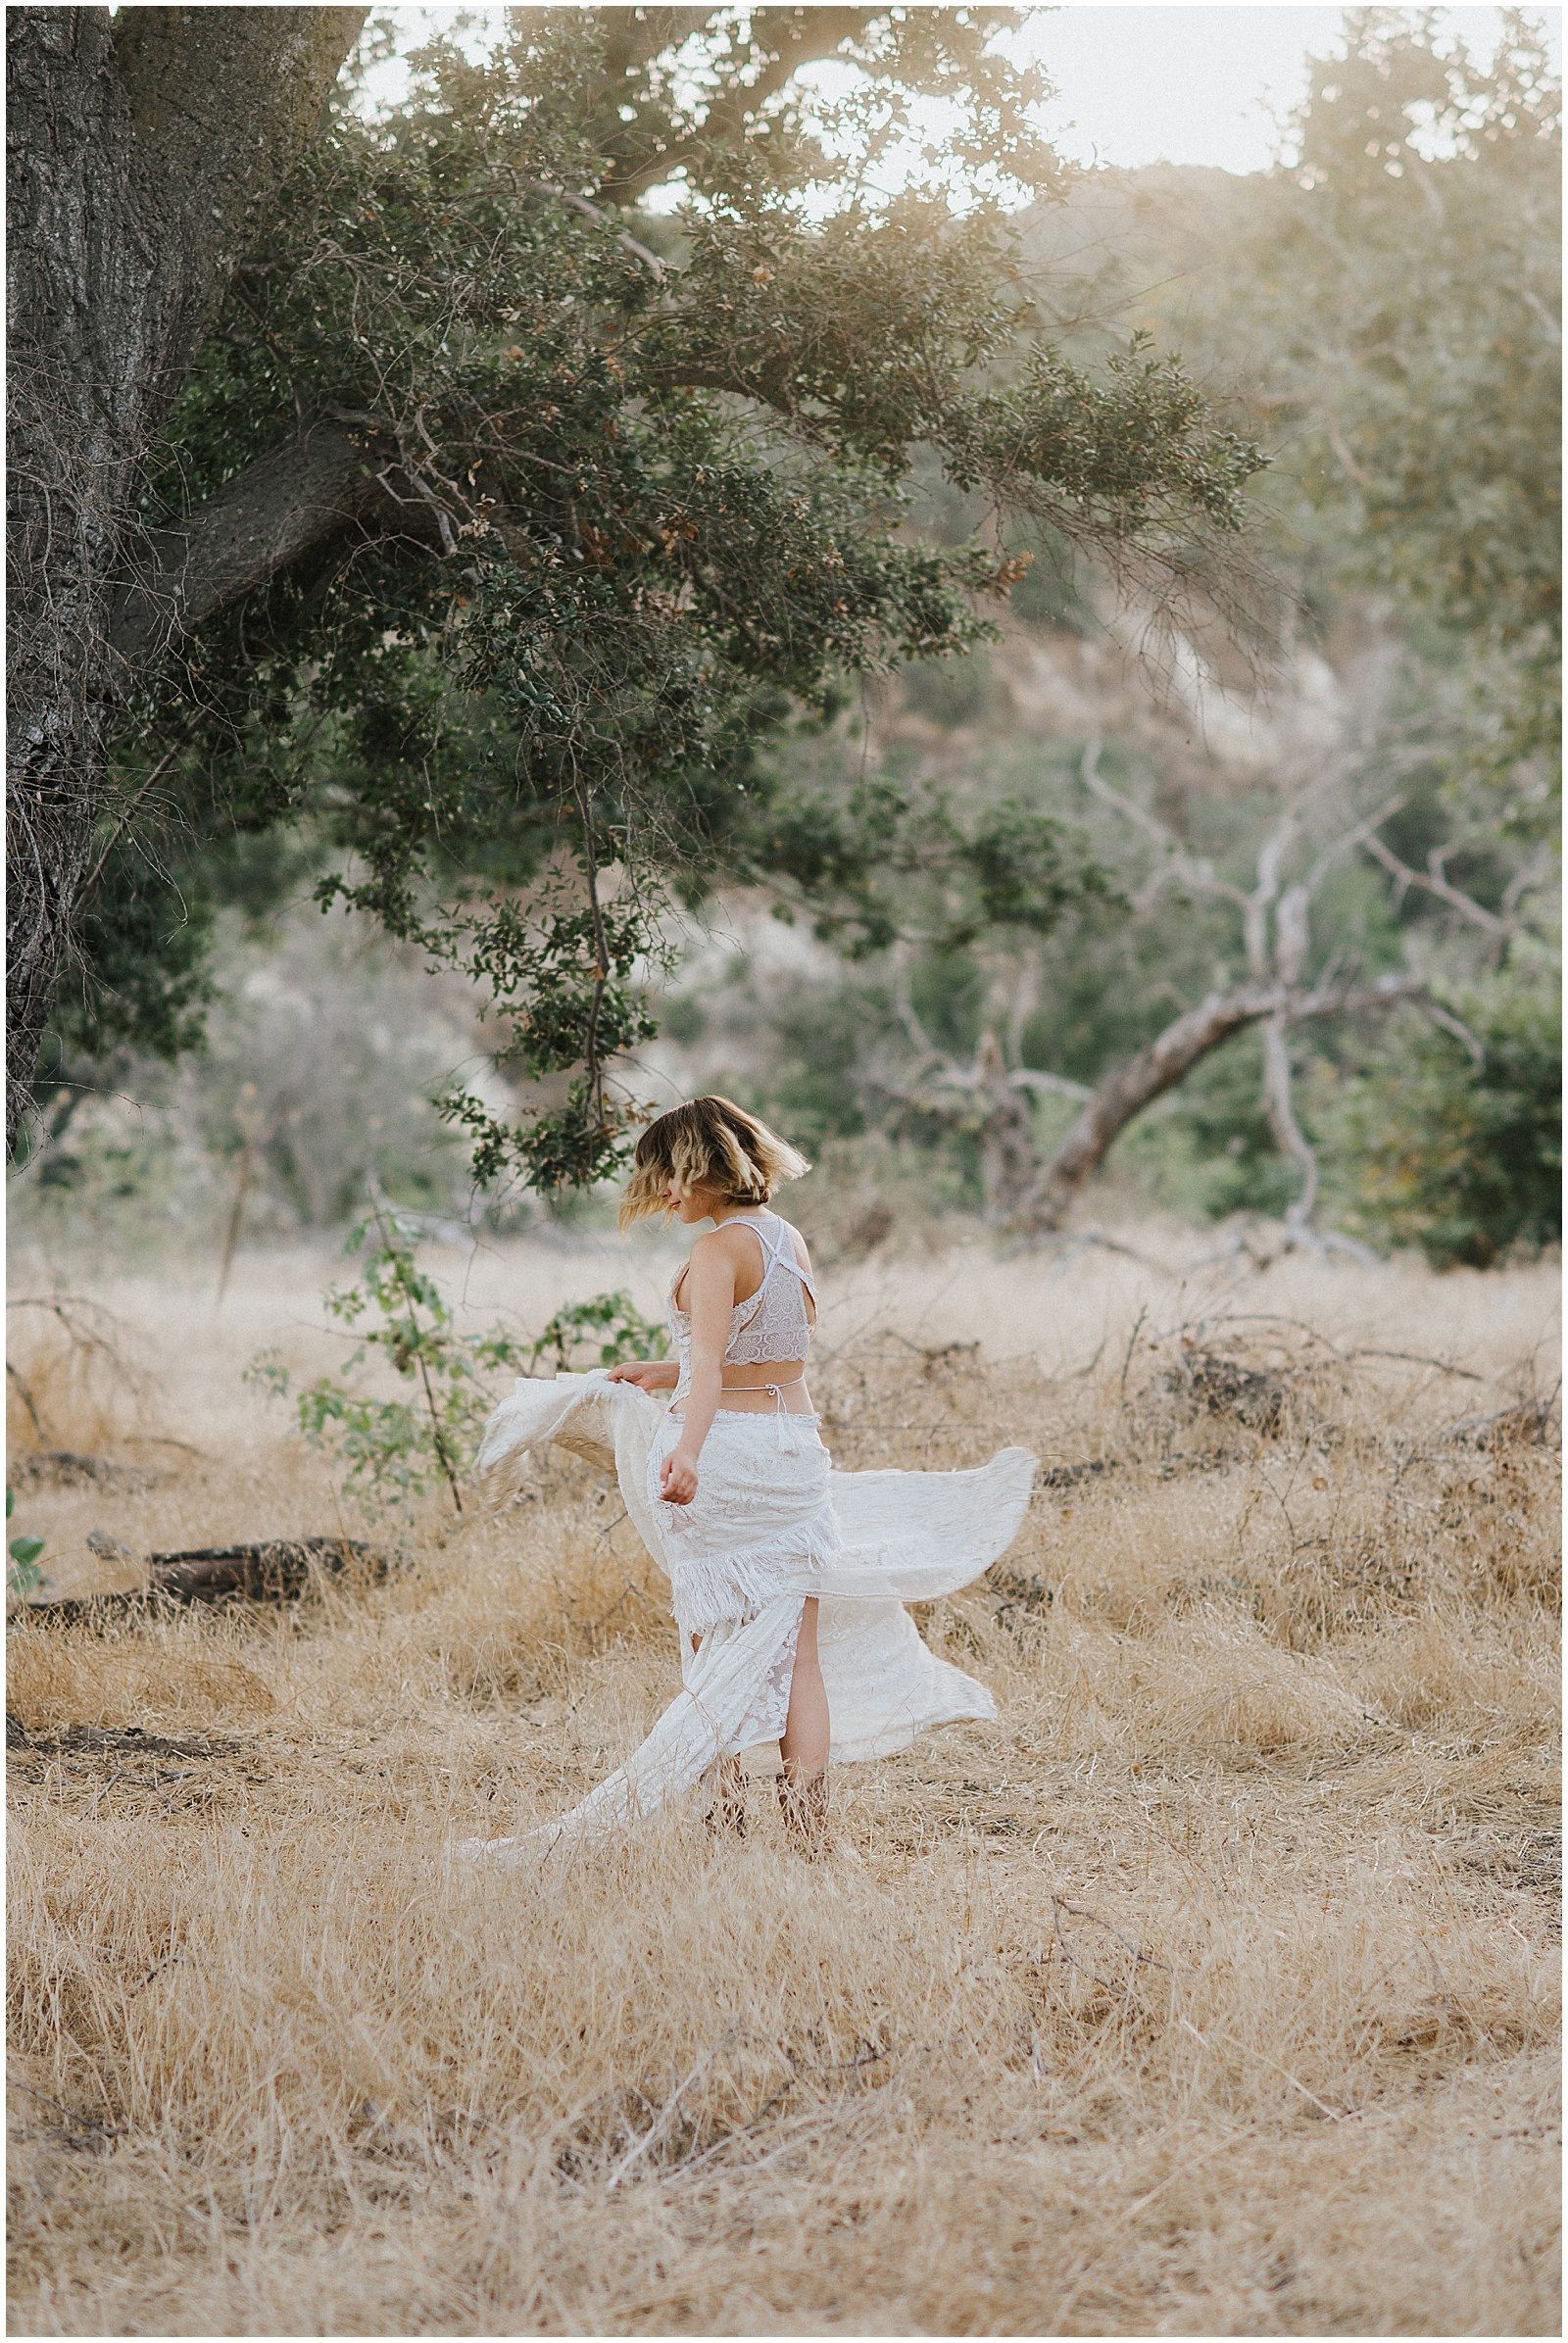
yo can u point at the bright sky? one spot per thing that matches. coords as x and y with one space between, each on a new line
1143 84
1180 84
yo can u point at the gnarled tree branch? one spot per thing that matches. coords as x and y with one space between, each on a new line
1434 880
1169 1059
255 526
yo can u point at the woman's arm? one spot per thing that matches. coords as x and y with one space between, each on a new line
710 1300
648 1374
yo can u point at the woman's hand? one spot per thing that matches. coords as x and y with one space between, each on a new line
648 1374
677 1476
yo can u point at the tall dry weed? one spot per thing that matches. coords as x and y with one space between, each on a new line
74 1379
1211 1991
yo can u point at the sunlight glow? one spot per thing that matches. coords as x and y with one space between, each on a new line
1134 84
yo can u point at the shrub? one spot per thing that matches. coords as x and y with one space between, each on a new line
393 1451
1462 1160
22 1573
610 1326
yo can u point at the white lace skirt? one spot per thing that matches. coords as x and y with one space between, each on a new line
772 1524
761 1524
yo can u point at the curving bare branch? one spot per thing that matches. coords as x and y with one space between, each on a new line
1170 1058
1435 881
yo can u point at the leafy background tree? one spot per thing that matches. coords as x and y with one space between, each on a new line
1413 714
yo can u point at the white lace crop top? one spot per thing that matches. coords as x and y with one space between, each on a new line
770 1324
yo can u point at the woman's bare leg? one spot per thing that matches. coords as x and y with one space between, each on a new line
805 1741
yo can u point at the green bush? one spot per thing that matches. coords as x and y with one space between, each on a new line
1461 1159
22 1573
608 1326
393 1451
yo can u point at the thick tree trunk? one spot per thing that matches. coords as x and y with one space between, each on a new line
1167 1061
140 151
1008 1160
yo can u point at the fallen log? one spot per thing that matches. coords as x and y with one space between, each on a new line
108 1740
272 1570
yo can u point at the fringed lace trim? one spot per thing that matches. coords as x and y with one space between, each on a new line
739 1586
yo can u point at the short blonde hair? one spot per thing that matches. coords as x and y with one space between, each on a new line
711 1144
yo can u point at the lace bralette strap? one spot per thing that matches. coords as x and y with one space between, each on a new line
782 1254
779 1255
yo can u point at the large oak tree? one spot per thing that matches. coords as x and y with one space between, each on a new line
412 483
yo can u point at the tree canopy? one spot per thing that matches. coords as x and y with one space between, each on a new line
1290 921
499 528
1409 285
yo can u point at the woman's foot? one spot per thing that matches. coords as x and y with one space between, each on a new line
804 1804
729 1810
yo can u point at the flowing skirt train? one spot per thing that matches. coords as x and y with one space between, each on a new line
772 1525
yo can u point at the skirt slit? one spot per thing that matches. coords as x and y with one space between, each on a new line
772 1526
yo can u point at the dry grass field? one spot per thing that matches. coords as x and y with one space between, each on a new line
1211 1991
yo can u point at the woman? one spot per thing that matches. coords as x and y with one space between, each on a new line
788 1580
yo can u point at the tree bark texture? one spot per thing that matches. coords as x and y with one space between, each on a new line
141 151
1008 1160
256 524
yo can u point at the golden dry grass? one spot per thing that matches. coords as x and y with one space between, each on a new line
1210 1991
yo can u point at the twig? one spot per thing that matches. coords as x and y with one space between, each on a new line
580 203
1132 1345
1059 1904
1435 881
27 1403
640 2147
424 1375
1418 1358
123 824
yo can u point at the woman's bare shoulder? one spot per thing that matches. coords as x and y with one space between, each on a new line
715 1241
727 1244
710 1257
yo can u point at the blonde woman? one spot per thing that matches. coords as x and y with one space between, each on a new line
788 1580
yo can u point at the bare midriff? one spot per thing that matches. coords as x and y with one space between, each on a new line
756 1390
